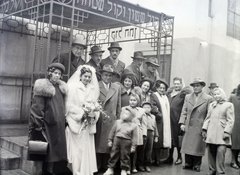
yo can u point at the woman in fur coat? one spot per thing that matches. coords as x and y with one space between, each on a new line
48 114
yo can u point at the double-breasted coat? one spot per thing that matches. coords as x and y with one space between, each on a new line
220 119
111 101
48 111
193 114
118 69
64 60
176 104
236 129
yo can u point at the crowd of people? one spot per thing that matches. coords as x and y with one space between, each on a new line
107 116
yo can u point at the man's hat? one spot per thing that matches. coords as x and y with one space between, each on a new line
152 61
57 66
78 41
138 55
213 85
198 80
115 45
162 81
95 49
107 68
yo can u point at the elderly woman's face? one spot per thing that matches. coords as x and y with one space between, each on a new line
86 78
145 86
177 85
161 89
56 74
127 83
217 95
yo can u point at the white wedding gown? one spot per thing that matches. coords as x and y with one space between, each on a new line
80 139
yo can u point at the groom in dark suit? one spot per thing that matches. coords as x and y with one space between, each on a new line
118 66
110 97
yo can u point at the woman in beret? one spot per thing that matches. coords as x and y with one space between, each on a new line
48 114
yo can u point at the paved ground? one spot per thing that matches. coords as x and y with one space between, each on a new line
163 169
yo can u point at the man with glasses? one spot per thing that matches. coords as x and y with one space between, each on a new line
76 60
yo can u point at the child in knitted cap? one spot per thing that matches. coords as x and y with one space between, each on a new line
123 139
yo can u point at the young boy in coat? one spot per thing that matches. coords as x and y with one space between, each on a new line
123 140
145 155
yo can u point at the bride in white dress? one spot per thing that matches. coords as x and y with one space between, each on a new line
83 87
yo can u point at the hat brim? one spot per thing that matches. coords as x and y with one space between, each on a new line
115 47
202 82
213 86
149 80
164 82
155 64
98 51
84 46
114 73
146 102
138 58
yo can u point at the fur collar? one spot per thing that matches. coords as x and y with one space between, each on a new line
43 87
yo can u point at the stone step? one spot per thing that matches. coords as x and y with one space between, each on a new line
13 172
9 160
18 146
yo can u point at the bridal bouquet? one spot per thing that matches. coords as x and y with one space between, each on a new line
89 108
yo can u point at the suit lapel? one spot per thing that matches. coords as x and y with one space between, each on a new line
200 101
75 63
103 91
191 99
110 93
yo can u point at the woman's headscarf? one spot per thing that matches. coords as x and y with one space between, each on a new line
223 97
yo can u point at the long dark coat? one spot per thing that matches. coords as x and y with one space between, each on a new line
64 60
193 116
48 111
176 104
157 111
118 69
111 100
236 129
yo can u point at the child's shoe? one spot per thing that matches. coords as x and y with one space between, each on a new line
123 172
128 172
134 171
147 168
109 171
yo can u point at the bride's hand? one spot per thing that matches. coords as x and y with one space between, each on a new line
91 114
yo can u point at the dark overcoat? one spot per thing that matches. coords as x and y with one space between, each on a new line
64 60
111 101
97 68
48 111
157 111
176 104
236 128
193 115
132 68
118 69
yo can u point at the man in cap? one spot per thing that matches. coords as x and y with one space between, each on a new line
211 87
96 58
194 112
110 97
76 60
113 60
151 71
135 66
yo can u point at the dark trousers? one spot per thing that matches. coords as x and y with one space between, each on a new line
102 160
144 152
216 158
193 161
121 149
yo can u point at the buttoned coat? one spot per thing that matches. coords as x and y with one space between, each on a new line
118 69
220 119
111 101
236 129
192 115
64 60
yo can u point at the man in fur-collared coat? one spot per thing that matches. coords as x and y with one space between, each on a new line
194 112
48 114
110 97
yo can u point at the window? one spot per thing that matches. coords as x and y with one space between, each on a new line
233 19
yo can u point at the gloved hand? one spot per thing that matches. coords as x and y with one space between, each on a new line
182 127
